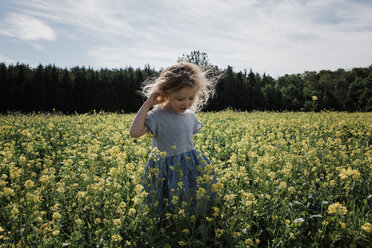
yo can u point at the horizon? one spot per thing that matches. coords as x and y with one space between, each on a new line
159 70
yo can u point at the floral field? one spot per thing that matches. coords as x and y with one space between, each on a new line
284 180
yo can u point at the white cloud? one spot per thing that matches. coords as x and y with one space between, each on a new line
26 27
275 37
93 17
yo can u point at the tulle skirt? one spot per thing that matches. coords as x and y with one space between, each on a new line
180 182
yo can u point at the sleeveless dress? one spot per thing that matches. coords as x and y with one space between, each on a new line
177 176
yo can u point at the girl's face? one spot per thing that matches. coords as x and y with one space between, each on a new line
182 99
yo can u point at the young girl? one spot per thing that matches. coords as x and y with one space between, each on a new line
177 175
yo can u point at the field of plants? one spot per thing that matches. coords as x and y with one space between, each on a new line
284 180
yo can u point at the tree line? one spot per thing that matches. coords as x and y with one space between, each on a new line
79 89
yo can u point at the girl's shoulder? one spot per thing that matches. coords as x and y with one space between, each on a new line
165 115
157 111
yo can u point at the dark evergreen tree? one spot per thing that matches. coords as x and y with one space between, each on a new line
81 89
271 94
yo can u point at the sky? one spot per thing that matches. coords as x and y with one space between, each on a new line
275 37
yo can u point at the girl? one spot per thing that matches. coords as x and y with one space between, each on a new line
176 175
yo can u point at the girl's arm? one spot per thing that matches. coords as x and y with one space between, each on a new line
139 127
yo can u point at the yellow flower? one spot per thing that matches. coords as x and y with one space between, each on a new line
56 232
8 191
315 98
15 172
333 208
272 175
192 218
15 212
249 242
61 190
29 184
122 205
32 197
174 147
116 238
181 212
230 197
117 222
175 200
356 175
283 185
22 159
337 208
56 216
168 215
343 225
345 173
26 133
344 210
138 189
219 233
367 227
200 193
186 231
332 182
131 212
44 178
81 194
182 243
216 211
217 187
155 150
180 184
114 172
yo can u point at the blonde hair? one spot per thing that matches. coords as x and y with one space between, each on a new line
177 76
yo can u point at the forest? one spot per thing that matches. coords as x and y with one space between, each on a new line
48 88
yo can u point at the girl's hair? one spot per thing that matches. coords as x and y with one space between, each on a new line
177 76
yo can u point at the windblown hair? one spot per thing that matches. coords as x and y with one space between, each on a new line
177 76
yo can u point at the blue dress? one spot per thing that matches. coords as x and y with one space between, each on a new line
177 176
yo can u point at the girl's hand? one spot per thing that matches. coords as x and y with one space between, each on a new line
156 97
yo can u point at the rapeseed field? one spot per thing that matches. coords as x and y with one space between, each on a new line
283 180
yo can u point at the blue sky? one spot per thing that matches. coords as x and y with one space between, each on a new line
275 37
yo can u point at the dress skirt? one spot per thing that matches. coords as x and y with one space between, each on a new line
183 181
